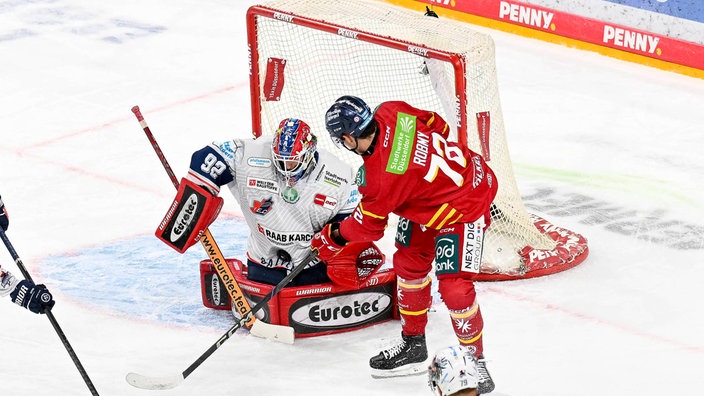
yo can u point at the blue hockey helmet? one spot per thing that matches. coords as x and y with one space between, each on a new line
293 149
349 115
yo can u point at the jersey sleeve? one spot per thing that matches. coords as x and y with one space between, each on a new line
213 165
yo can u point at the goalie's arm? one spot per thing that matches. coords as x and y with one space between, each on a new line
196 204
213 166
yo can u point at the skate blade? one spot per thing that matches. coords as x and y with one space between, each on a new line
403 371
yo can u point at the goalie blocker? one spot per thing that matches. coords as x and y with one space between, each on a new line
189 215
313 310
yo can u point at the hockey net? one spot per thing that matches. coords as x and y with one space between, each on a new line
304 54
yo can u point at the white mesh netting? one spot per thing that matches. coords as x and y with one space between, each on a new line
302 66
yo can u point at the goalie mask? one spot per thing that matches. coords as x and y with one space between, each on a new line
293 150
452 370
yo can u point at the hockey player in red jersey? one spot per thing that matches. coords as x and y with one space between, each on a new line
442 191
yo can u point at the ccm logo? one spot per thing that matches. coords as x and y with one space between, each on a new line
184 218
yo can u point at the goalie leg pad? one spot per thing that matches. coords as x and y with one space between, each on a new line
328 308
312 310
191 212
215 295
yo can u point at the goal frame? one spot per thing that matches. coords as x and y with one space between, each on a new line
559 249
455 60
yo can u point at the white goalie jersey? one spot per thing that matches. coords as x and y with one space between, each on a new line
279 216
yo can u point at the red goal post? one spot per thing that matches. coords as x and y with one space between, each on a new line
304 54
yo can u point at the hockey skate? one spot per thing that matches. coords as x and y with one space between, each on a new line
405 358
486 384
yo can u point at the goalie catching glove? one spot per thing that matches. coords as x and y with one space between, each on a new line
349 264
190 214
354 264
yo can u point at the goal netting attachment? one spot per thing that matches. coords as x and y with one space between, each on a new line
304 54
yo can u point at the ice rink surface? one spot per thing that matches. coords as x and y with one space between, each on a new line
609 149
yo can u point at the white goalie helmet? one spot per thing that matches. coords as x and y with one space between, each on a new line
453 369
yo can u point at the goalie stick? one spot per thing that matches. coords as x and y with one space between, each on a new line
258 328
169 382
50 315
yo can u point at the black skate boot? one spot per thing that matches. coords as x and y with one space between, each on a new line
486 384
406 358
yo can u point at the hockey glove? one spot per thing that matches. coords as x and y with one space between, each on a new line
190 214
356 262
4 220
325 244
35 298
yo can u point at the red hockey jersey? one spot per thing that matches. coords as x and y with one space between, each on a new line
416 173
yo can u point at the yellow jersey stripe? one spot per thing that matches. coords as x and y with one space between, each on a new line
435 217
470 312
467 342
405 285
447 218
370 214
413 313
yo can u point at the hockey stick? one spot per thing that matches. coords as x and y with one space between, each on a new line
50 315
158 383
258 328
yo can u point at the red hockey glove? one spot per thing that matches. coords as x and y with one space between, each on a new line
325 244
354 264
190 214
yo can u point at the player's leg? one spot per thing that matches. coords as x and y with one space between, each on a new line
412 263
458 255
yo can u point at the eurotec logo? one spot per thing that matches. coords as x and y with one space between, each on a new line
342 311
215 290
184 218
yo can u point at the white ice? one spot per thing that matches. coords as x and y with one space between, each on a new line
610 149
